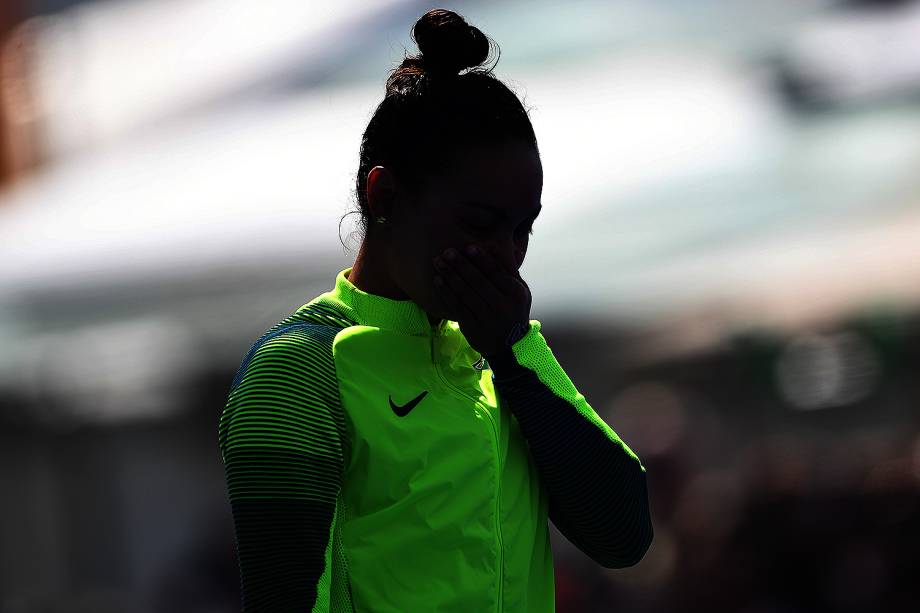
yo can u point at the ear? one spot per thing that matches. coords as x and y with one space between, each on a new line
381 190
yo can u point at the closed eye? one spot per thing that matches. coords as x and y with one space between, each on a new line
479 228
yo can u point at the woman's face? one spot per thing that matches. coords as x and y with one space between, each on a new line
489 196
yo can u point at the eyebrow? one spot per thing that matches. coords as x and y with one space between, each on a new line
499 211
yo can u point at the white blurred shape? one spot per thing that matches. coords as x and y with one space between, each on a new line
242 186
106 67
854 55
821 371
613 126
265 185
111 371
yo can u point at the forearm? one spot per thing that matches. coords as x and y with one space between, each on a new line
281 531
596 485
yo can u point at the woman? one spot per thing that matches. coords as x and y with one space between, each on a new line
398 442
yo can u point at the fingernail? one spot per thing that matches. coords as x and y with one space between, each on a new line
472 250
451 254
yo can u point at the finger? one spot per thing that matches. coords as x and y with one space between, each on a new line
468 294
465 295
480 292
496 272
457 308
508 282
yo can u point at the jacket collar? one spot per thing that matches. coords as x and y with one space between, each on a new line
404 316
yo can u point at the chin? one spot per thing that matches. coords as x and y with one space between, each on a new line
438 314
436 309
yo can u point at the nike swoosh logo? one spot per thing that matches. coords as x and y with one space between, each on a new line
403 410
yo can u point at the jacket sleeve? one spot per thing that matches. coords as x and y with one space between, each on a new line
281 441
596 485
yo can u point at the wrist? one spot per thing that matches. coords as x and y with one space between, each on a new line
503 363
517 332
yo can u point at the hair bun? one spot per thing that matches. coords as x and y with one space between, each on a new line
447 43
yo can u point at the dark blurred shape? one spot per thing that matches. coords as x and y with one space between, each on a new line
859 4
204 578
18 104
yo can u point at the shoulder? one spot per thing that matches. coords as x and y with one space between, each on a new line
287 380
301 343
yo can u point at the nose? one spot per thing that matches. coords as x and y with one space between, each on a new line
509 255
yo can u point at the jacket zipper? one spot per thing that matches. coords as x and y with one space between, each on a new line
498 517
498 476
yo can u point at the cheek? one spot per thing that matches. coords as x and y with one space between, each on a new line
422 266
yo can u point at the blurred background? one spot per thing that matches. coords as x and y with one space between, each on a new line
727 267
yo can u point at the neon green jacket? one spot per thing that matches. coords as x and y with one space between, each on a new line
375 463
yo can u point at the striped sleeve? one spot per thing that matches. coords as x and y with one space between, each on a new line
282 440
596 485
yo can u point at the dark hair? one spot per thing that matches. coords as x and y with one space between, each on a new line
430 110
